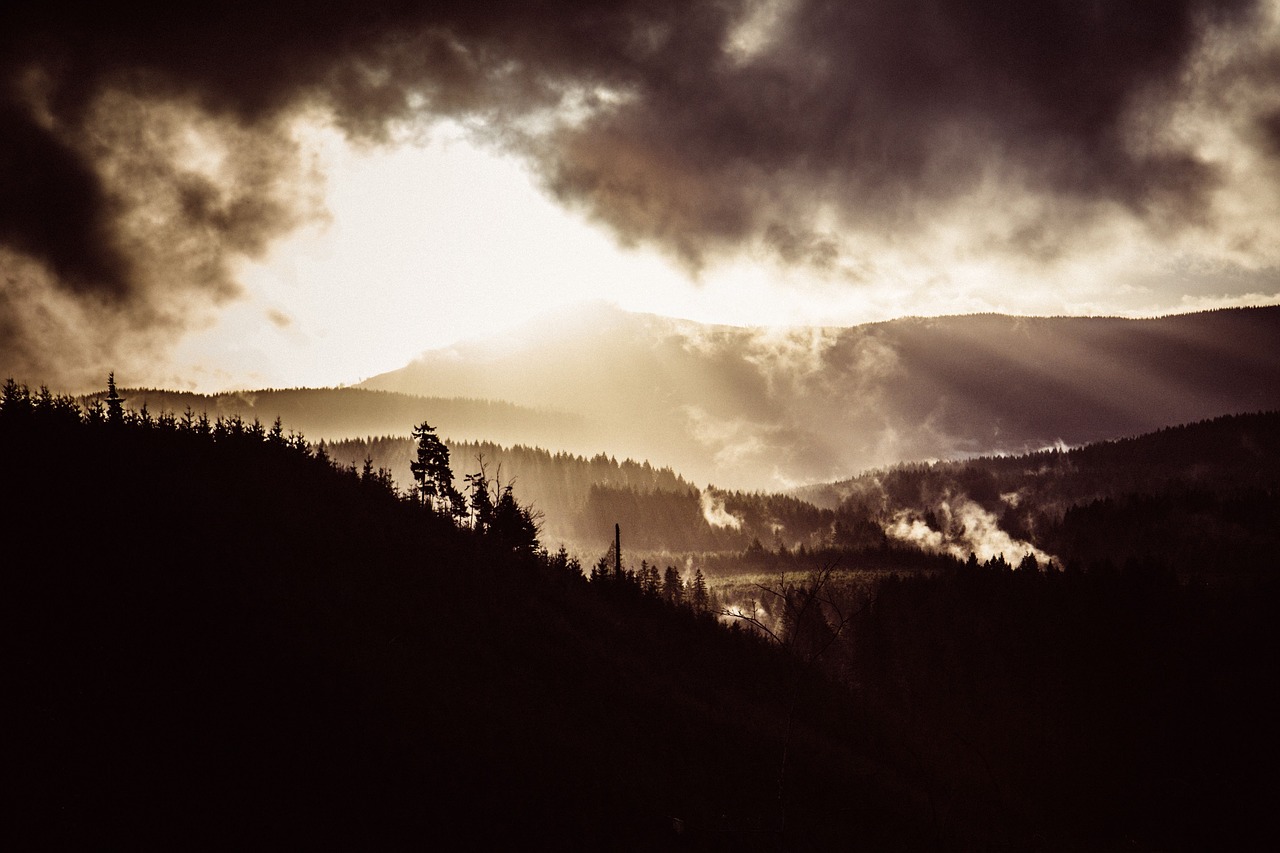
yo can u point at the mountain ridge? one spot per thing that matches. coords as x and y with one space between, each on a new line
751 407
329 414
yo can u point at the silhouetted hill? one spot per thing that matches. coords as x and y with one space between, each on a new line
338 413
765 408
215 637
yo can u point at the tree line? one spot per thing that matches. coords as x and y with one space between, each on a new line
580 496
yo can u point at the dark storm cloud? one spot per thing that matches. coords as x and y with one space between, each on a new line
882 110
1269 125
54 205
250 65
703 126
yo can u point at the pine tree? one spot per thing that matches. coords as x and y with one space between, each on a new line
673 586
481 500
514 526
16 401
115 403
566 562
699 592
433 475
652 581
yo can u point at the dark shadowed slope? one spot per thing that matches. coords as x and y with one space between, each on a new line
213 634
215 637
756 408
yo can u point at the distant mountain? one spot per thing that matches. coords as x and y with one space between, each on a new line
765 408
330 414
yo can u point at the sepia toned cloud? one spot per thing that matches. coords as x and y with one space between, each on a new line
145 150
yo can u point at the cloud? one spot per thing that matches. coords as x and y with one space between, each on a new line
144 150
883 115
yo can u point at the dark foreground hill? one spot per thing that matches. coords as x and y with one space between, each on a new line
214 638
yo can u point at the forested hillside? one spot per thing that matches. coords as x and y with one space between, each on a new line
216 632
338 413
1203 497
579 499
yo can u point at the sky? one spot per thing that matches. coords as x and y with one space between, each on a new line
291 193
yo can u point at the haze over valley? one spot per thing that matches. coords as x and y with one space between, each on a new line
758 408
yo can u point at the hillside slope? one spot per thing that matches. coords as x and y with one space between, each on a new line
1194 494
759 408
1203 498
220 636
579 500
328 414
213 633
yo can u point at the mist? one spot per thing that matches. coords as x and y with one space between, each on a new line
964 528
714 512
755 408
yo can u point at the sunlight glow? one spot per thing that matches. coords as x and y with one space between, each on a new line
430 241
437 238
427 242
